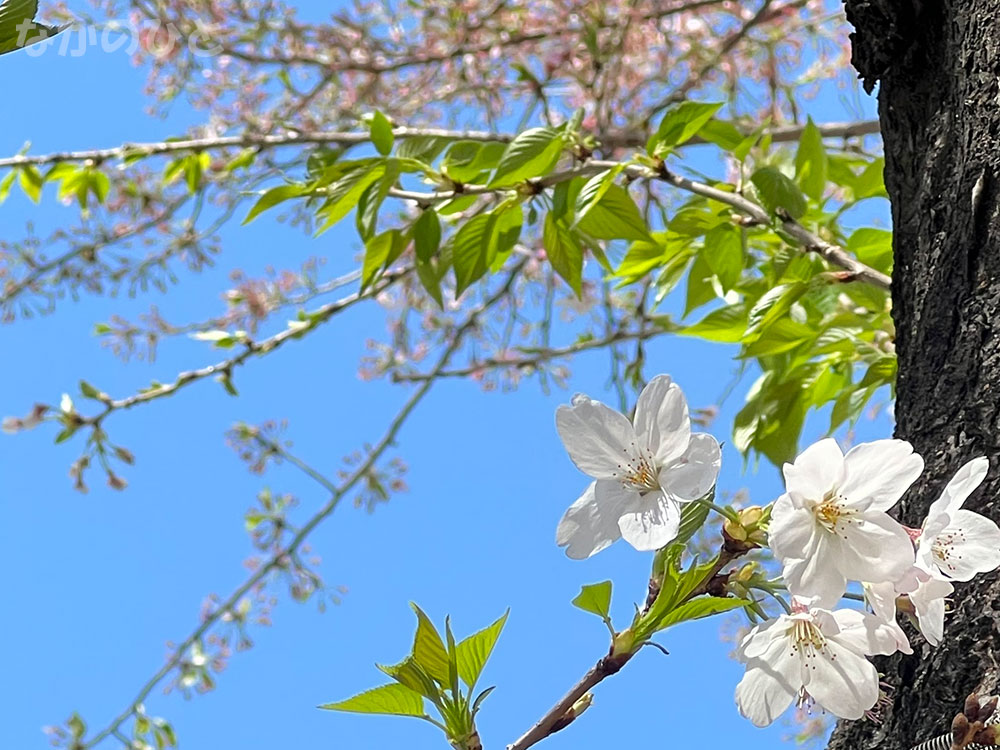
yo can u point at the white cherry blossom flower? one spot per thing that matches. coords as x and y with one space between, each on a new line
831 524
954 543
881 597
812 653
925 601
643 470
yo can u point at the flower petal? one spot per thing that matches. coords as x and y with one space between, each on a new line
842 681
597 438
591 523
958 489
814 576
791 529
878 473
771 683
928 601
869 635
974 546
816 471
661 419
873 548
694 474
759 640
651 523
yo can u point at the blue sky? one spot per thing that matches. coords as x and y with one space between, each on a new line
96 584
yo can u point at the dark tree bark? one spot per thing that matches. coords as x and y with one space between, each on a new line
937 65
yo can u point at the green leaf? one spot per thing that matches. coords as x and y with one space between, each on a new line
699 287
31 182
810 161
694 222
726 325
723 134
343 195
702 606
693 517
778 191
381 130
392 699
613 216
377 252
596 599
413 676
428 648
469 247
272 198
474 651
17 28
466 160
430 279
531 154
5 185
424 148
563 251
427 234
772 306
783 335
723 253
476 245
679 124
873 247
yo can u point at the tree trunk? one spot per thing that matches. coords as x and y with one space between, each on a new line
937 64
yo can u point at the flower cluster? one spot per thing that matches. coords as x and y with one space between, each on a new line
830 529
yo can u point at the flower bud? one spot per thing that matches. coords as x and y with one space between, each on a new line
971 709
959 730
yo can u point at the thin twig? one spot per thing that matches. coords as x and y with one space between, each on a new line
337 492
605 667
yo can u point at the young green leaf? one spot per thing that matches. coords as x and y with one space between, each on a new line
726 325
344 194
531 154
272 198
702 606
377 252
778 191
466 161
613 216
381 130
596 599
474 651
680 124
810 161
31 182
428 648
392 699
564 252
415 677
723 253
427 234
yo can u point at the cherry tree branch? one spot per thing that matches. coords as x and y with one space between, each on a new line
536 357
251 349
621 139
754 213
553 719
337 492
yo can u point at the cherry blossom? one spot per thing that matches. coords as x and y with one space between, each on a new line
812 654
955 543
831 524
643 470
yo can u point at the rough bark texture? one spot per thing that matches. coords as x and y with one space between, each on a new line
937 63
